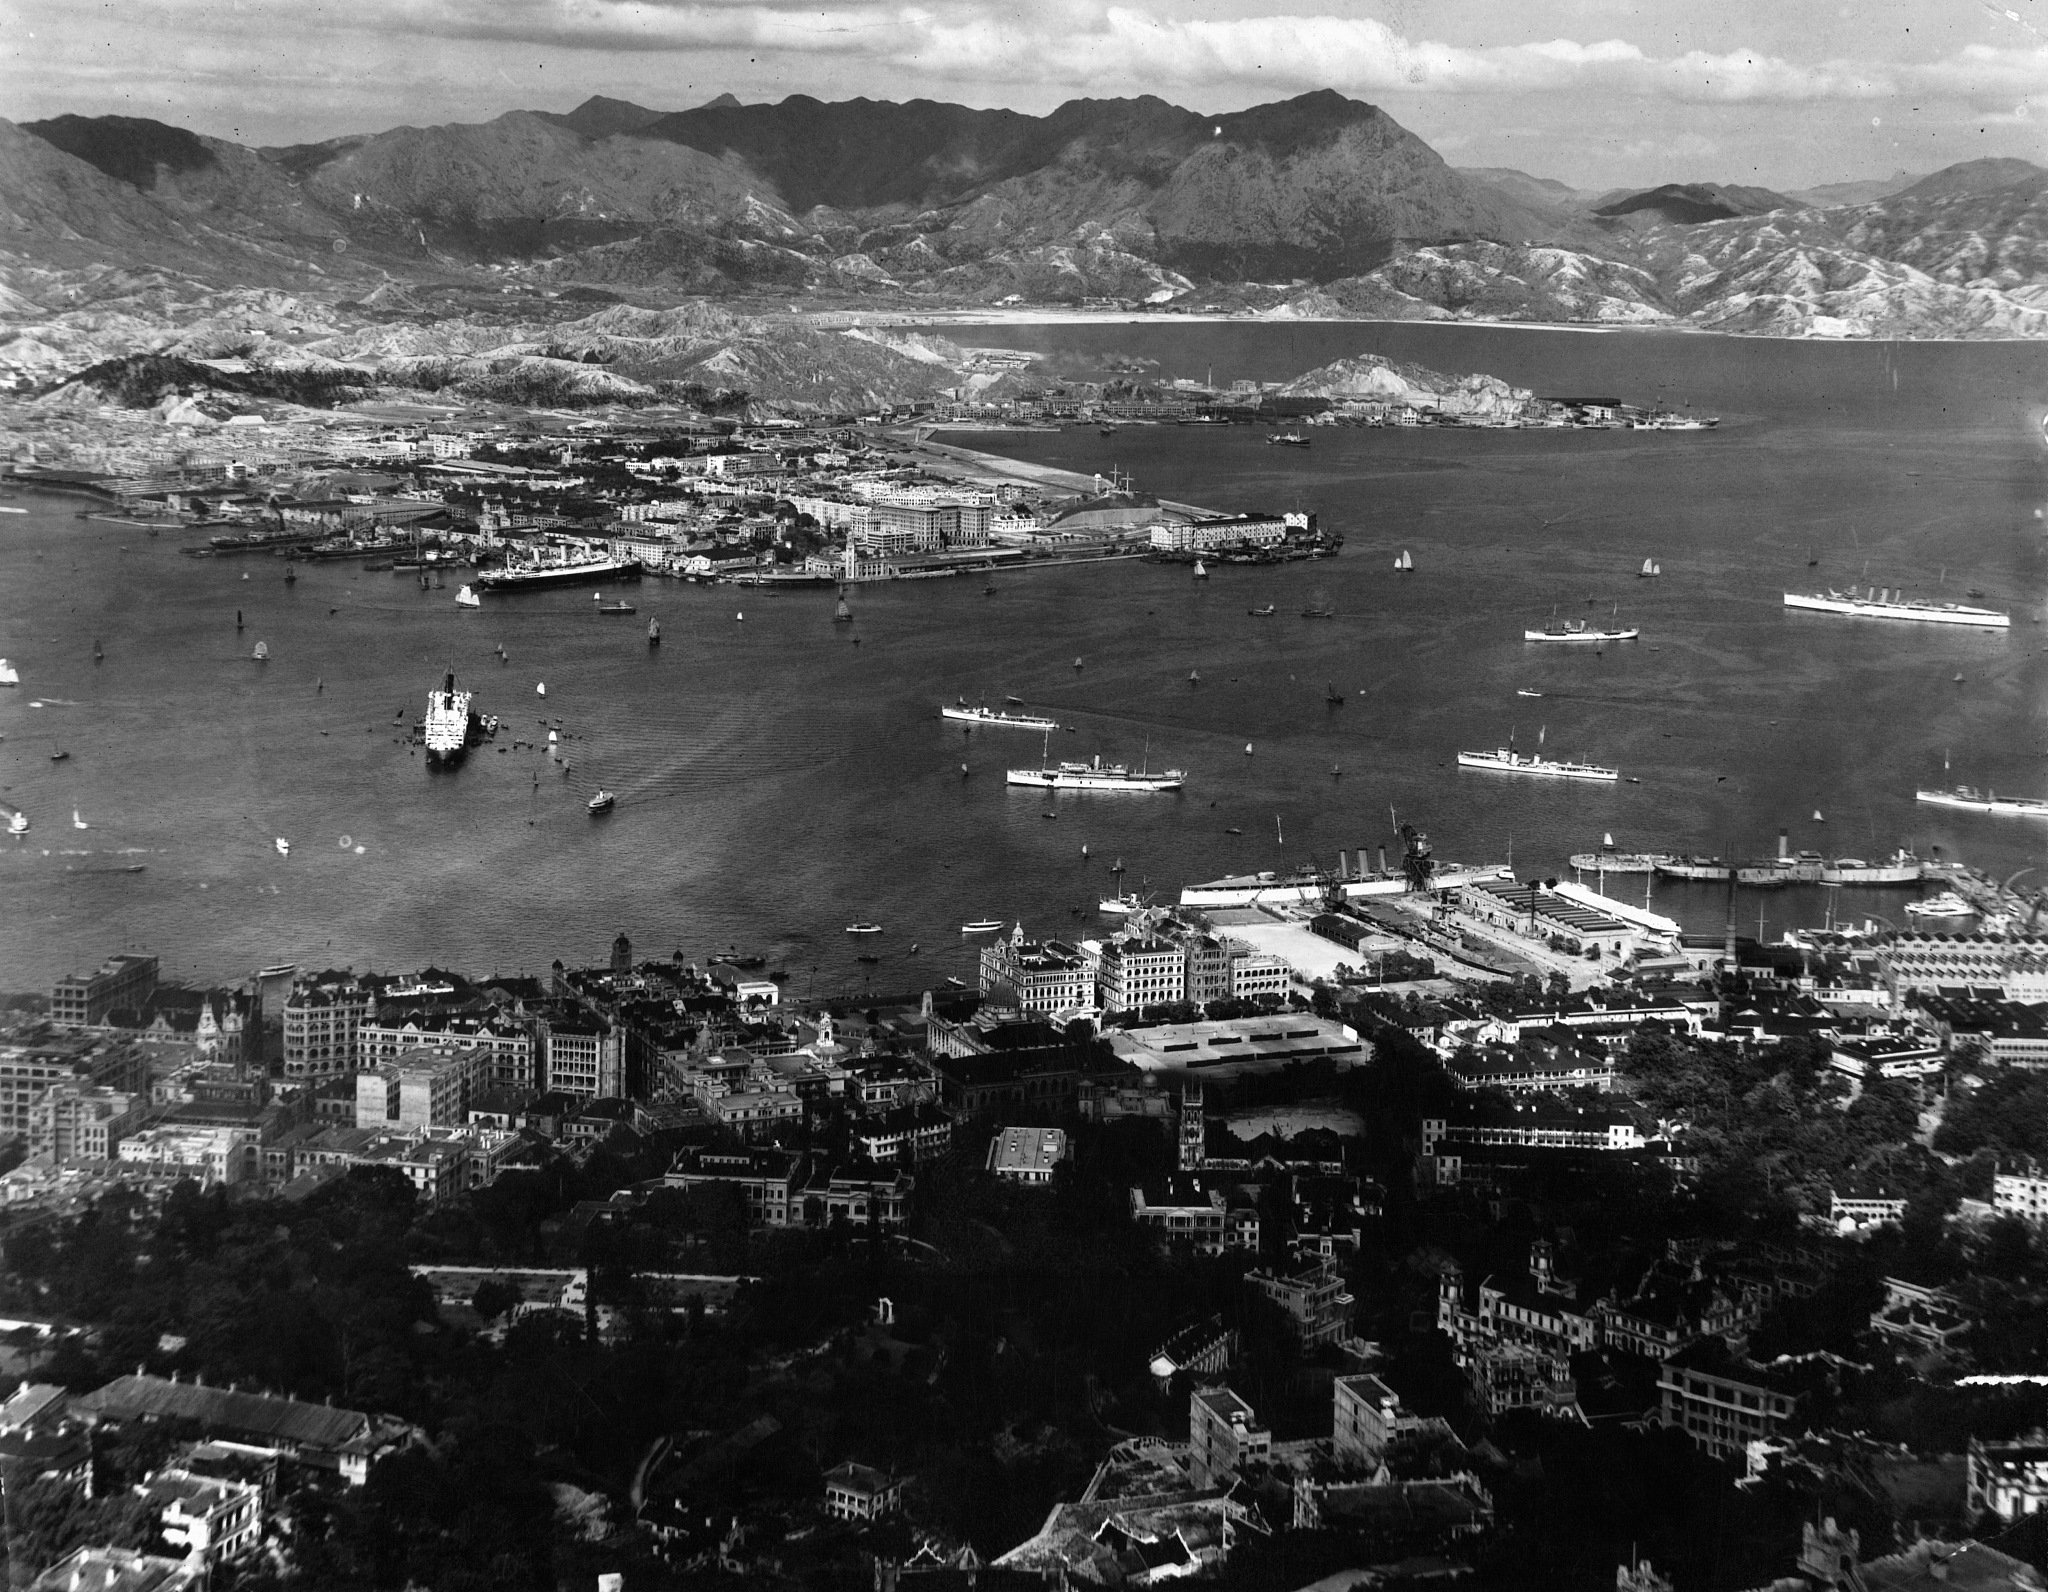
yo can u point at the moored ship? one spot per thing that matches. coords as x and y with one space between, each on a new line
1097 775
1311 884
1885 603
961 713
567 572
451 726
1503 760
1902 868
1969 799
1693 867
1604 861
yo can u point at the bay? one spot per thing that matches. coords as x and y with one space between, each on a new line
777 781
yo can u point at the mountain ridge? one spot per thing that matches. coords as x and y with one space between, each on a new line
1315 205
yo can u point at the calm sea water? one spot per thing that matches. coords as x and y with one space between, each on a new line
777 782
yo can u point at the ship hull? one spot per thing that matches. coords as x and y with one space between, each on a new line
1683 868
1537 768
539 579
1903 873
1919 613
1618 862
1062 779
1003 721
1971 802
1283 888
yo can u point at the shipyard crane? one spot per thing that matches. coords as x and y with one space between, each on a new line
1417 863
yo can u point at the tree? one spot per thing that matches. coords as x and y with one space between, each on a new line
493 1297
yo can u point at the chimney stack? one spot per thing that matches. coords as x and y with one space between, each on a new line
1784 846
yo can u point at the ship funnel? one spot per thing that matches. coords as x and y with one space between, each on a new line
1784 846
1383 859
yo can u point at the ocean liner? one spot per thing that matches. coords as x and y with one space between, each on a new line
567 572
1883 603
451 727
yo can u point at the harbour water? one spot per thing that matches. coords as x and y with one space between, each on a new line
777 782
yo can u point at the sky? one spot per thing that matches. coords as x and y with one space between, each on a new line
1594 93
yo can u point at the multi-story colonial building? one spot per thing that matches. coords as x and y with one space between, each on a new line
1149 972
1035 976
1725 1403
321 1017
76 1121
79 1001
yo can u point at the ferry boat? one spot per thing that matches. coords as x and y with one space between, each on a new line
1118 906
9 675
994 717
1972 800
603 802
870 928
1579 630
1711 869
1903 868
980 926
1097 776
1505 761
1888 603
1946 905
568 572
451 727
17 822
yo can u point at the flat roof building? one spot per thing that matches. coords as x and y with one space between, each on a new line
1026 1155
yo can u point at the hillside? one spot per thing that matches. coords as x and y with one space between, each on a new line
1316 206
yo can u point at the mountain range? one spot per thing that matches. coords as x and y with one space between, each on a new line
1315 206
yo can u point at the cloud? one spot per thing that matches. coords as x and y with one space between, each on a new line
1113 46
